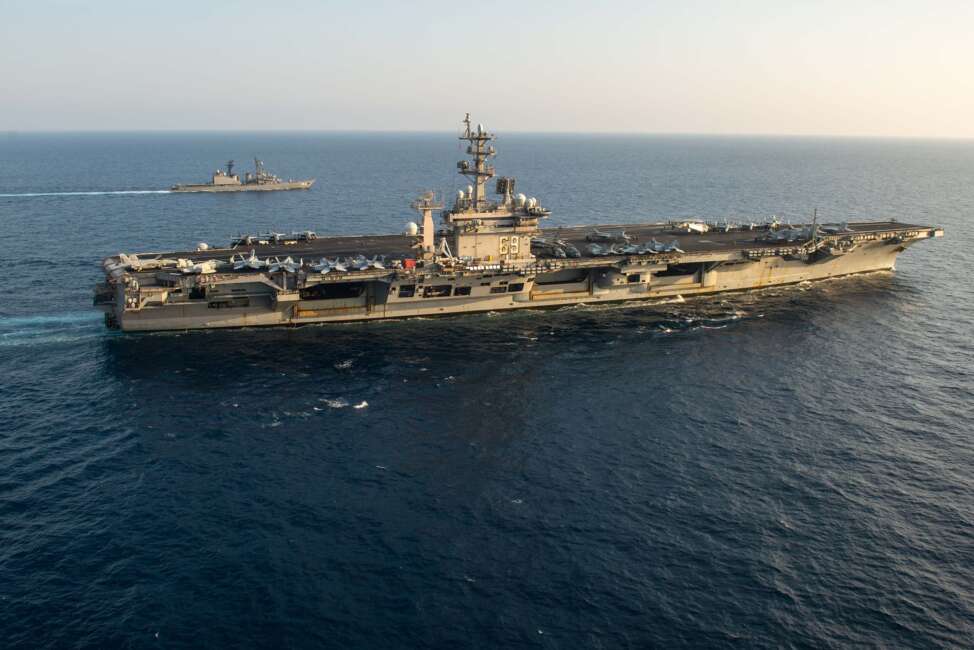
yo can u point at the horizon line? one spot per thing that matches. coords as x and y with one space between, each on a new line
721 134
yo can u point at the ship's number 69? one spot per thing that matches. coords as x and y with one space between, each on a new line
508 245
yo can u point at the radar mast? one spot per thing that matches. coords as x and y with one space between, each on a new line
481 171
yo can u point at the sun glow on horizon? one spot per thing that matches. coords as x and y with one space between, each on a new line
830 68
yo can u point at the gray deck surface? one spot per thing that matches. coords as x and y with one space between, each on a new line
400 246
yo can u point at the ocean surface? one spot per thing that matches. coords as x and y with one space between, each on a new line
786 468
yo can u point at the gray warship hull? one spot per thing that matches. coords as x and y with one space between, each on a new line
710 263
258 181
489 256
245 187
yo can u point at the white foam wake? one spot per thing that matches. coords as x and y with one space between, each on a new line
68 318
26 194
49 328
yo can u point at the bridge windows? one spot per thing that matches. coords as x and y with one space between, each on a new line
407 290
461 291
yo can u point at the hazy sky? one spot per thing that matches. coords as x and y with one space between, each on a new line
857 68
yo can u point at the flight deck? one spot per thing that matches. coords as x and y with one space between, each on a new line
734 239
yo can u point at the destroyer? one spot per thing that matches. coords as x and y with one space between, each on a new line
259 181
490 255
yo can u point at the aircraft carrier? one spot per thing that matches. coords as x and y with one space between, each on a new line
258 181
490 254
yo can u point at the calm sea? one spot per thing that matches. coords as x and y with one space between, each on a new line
785 468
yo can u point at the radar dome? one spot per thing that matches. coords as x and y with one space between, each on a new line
532 202
202 246
412 228
480 129
521 200
460 194
469 191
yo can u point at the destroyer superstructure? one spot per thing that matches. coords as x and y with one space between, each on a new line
258 181
490 255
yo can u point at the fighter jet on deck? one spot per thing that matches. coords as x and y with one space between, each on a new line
287 265
207 266
599 236
252 263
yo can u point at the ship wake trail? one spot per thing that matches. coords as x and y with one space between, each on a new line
49 328
105 193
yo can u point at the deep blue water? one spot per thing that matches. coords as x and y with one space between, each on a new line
786 468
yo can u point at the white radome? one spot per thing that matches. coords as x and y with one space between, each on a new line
412 229
202 246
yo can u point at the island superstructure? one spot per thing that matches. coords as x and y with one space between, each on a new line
490 255
258 181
